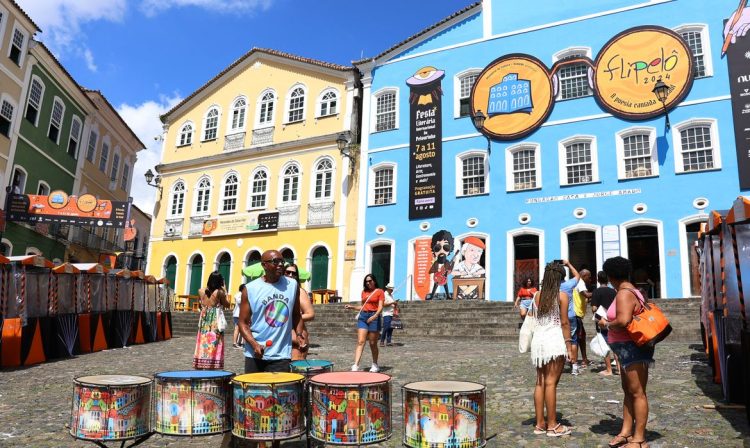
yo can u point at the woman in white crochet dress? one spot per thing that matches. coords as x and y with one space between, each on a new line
549 347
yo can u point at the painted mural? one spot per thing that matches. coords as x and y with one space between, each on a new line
443 420
268 412
448 268
192 407
111 413
346 415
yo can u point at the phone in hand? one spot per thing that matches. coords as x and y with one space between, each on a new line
557 261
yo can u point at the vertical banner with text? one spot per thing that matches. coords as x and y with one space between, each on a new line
425 143
422 264
739 89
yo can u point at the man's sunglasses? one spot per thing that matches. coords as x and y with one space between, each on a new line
274 261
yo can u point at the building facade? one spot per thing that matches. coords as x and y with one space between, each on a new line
250 163
566 165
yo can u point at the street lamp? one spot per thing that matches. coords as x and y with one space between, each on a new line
156 179
478 119
661 91
347 150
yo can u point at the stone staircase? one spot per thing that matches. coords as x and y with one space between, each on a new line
440 319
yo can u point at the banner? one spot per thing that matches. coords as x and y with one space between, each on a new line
233 225
58 207
425 143
422 264
739 89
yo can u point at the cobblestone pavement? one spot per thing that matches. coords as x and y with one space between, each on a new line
35 402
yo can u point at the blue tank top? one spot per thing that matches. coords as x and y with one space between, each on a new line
272 305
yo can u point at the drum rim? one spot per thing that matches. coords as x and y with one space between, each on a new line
161 376
295 381
330 363
77 381
149 431
357 444
368 383
272 439
482 387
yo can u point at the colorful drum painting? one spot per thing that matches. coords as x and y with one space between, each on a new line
268 406
351 408
311 367
192 402
111 407
444 414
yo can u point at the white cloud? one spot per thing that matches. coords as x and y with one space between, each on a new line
143 119
89 57
153 7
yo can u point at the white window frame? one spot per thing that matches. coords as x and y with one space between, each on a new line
172 194
95 132
114 170
24 45
25 177
282 176
460 172
41 98
620 149
509 183
258 109
196 189
374 111
265 192
289 103
677 143
78 138
371 183
8 243
701 28
319 103
314 178
44 184
230 118
125 176
14 113
223 196
204 134
105 141
566 53
55 101
4 19
457 89
563 168
178 143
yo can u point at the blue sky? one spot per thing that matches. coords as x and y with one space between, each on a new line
146 55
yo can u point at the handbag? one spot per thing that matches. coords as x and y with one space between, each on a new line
526 334
363 305
599 345
650 326
397 323
221 320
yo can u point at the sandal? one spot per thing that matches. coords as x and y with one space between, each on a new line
559 431
619 440
539 431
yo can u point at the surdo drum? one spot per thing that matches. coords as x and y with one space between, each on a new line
311 367
268 406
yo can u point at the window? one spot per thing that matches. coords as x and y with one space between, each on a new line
472 177
211 124
296 105
267 103
464 84
260 189
328 104
229 193
238 114
35 101
696 38
42 189
383 190
103 157
697 146
177 199
323 179
19 180
75 136
55 122
16 46
93 137
6 117
125 176
636 153
574 81
290 184
186 135
578 161
524 168
115 168
385 111
203 196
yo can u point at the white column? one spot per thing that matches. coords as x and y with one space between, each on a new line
345 185
487 18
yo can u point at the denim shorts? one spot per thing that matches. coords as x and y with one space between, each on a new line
573 329
526 304
628 353
362 324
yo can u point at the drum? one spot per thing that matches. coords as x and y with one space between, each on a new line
268 406
192 402
351 408
444 414
311 367
111 407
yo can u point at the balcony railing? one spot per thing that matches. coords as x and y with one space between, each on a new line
288 216
196 225
234 141
263 136
90 240
320 214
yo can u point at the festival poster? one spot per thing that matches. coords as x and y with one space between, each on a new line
58 207
237 224
422 264
425 143
739 89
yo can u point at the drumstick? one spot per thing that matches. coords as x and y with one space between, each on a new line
728 38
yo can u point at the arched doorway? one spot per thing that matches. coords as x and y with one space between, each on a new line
225 267
288 255
252 258
643 252
525 260
691 233
319 278
582 250
170 271
381 264
196 274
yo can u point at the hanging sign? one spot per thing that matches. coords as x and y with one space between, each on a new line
236 224
58 207
739 89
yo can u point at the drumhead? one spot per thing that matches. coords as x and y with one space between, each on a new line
350 378
193 374
112 380
268 378
444 386
310 364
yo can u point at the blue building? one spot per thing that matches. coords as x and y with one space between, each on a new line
577 163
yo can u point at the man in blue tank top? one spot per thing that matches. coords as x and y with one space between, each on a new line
269 311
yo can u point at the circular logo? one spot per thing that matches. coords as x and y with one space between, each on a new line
57 199
276 313
630 65
86 203
515 94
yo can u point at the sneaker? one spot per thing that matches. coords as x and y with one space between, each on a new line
576 370
355 368
374 368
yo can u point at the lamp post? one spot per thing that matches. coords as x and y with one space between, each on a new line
478 119
346 150
156 179
661 91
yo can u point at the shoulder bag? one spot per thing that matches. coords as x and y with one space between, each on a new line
363 305
650 326
526 334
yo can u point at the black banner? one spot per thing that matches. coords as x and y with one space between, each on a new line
63 209
739 88
425 144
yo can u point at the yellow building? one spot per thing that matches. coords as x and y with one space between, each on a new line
250 162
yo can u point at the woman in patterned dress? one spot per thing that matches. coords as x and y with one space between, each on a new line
209 345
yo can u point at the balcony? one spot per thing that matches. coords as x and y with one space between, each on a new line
289 217
196 226
320 214
262 136
90 240
235 141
